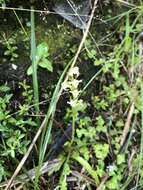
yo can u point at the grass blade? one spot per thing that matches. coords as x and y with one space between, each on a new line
34 65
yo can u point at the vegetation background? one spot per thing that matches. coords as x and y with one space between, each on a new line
71 99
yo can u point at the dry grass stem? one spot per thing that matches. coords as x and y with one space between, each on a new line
127 124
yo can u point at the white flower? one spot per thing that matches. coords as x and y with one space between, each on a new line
14 66
74 71
111 168
73 103
74 84
65 85
75 93
77 105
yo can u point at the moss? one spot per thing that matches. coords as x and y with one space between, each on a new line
59 36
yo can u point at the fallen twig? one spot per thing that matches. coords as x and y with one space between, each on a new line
127 124
130 165
47 167
104 179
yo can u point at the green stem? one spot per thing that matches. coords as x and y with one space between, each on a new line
34 64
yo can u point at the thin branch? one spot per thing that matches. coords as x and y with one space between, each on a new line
42 11
127 124
104 179
130 160
47 167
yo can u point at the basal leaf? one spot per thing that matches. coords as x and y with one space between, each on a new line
42 51
46 64
29 70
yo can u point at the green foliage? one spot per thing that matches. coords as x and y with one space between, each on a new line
94 150
63 179
113 183
15 144
11 46
42 58
87 166
97 139
101 151
27 92
90 51
14 127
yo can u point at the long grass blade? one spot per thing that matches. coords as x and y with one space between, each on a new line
48 125
34 65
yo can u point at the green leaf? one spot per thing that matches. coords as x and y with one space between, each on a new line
91 54
42 51
41 58
12 153
128 44
99 62
113 183
100 127
29 70
63 177
2 116
120 159
85 152
4 88
87 167
101 150
45 63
